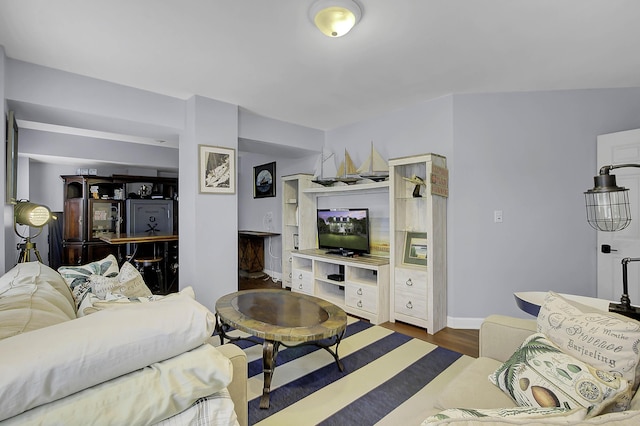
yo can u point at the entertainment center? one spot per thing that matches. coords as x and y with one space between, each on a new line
409 285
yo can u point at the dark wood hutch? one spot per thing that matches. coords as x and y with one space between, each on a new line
96 205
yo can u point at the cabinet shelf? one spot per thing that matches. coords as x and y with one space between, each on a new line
360 187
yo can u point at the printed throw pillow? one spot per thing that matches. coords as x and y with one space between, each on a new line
128 283
92 304
77 277
537 413
605 340
539 374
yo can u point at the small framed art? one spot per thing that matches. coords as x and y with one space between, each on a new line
264 180
415 248
217 171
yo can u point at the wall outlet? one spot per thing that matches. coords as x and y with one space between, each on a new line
497 216
268 220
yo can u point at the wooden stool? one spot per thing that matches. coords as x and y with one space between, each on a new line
142 263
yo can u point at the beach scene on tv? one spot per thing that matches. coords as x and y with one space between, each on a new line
344 229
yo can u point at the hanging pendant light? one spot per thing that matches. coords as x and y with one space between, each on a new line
335 18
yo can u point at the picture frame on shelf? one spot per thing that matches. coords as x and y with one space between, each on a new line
217 169
264 180
415 249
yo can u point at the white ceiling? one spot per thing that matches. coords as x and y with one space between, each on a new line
267 57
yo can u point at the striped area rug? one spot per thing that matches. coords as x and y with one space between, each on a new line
389 379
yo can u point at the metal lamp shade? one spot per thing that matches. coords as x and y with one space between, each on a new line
607 205
31 214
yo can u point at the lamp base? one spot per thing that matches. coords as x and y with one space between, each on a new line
626 310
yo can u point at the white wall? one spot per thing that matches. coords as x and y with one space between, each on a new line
528 154
208 222
251 212
531 155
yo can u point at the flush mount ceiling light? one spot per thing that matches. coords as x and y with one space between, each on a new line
335 18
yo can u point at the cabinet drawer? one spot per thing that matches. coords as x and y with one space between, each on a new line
302 281
411 279
362 297
410 302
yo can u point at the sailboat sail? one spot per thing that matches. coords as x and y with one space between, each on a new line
347 171
374 167
347 167
325 168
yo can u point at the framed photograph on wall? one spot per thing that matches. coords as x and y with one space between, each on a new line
415 248
264 180
217 171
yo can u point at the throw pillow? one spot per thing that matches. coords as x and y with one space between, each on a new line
605 340
537 413
77 277
92 304
539 374
128 283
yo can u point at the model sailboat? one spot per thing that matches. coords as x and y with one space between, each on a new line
374 167
325 169
347 171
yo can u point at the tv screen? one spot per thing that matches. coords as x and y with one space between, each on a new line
342 231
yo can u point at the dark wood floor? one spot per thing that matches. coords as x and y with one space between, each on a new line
463 341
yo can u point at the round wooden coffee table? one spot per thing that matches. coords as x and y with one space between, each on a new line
280 317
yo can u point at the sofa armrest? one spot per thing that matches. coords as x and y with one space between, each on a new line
501 335
238 386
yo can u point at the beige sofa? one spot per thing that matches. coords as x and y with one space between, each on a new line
500 336
137 364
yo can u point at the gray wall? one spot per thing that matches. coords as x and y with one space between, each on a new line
531 155
528 154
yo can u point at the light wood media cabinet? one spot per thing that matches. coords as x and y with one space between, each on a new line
364 292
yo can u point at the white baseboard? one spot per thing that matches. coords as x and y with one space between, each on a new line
464 323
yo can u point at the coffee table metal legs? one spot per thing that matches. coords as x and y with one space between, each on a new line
269 355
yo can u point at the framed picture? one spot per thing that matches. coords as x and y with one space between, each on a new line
264 180
12 160
217 171
415 248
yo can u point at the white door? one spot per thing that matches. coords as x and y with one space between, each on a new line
620 148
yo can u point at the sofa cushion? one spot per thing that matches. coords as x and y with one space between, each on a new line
605 340
77 277
33 296
128 283
559 414
48 364
540 374
472 389
170 386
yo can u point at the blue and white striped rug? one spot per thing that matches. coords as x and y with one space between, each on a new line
389 378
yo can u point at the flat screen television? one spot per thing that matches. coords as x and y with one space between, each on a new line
343 231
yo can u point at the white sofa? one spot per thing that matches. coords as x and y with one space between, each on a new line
500 336
142 363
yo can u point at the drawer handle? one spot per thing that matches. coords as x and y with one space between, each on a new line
290 260
300 276
359 292
359 303
300 286
409 282
409 305
290 275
